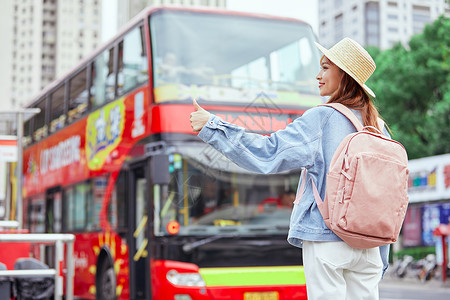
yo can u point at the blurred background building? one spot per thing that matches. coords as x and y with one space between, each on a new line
379 23
43 39
47 37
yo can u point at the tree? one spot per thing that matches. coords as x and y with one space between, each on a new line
413 90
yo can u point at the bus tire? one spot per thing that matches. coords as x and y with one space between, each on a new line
107 282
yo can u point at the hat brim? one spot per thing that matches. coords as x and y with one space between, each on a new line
338 63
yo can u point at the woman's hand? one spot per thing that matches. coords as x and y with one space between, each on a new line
199 117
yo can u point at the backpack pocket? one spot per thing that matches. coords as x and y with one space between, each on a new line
376 197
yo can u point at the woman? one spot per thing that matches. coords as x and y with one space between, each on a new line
333 270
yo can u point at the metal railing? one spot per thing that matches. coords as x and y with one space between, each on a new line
46 238
9 224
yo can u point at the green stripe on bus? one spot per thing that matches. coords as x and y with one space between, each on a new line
249 276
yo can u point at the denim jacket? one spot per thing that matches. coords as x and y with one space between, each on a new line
309 143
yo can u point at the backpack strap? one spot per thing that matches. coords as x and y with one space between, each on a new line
381 125
346 112
319 202
301 189
322 208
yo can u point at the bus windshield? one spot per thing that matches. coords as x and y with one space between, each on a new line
210 195
232 58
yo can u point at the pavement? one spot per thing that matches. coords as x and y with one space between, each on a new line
435 284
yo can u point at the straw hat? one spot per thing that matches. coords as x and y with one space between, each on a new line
353 59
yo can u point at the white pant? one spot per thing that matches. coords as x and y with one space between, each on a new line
334 270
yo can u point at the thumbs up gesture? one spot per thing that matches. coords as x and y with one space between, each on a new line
199 117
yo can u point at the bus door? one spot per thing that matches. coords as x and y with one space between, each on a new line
143 176
138 223
53 208
53 219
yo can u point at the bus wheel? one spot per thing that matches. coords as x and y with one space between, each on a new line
106 285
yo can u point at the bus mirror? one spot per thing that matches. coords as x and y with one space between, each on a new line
159 169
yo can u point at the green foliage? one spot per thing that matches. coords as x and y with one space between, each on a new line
413 90
416 252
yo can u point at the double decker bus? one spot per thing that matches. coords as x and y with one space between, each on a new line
157 213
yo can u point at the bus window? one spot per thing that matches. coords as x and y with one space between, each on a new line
282 68
121 202
57 115
27 133
234 57
75 210
95 194
79 219
36 212
102 89
78 95
133 65
256 70
40 122
68 209
208 194
113 213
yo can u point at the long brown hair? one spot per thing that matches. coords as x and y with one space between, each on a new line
352 95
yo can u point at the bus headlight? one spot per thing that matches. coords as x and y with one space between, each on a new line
185 279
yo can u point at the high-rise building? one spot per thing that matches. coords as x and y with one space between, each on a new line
135 6
127 9
379 23
77 32
6 52
44 39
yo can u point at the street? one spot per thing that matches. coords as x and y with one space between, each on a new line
412 289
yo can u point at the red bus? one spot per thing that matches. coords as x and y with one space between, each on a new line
158 214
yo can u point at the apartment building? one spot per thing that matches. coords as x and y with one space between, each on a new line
134 6
129 8
379 23
43 39
78 31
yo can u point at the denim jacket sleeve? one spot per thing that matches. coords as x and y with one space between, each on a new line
291 148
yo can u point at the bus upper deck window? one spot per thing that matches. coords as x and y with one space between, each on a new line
103 78
133 65
57 115
40 127
27 133
78 95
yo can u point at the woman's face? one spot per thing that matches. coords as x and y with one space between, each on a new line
329 77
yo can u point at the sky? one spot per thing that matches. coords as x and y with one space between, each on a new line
306 10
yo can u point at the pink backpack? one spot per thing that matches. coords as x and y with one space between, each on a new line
366 189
